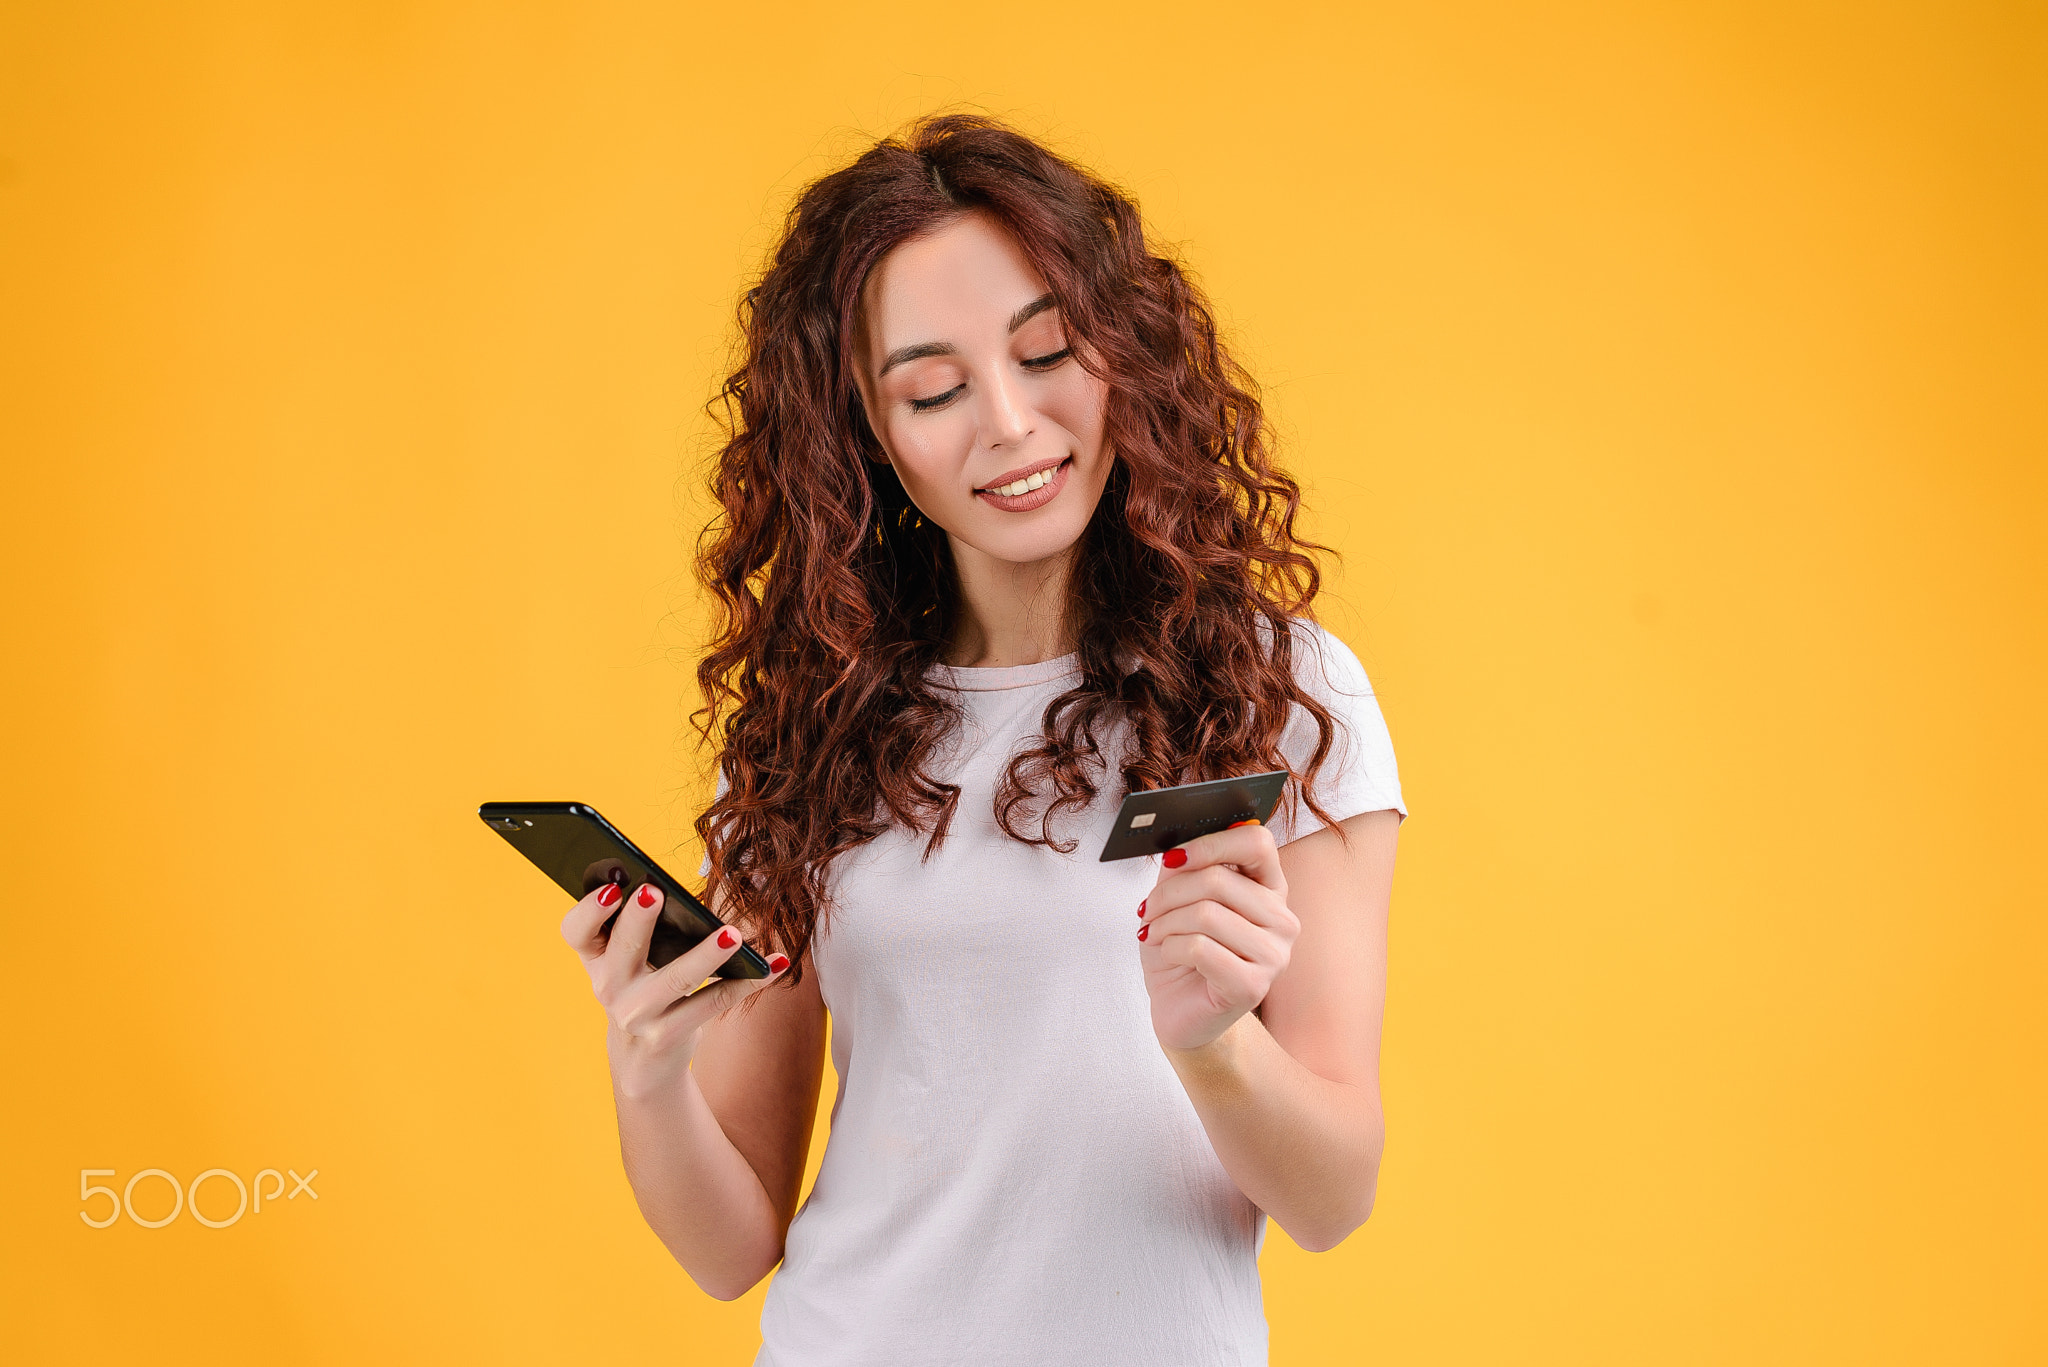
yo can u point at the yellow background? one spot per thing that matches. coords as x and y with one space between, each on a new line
1670 377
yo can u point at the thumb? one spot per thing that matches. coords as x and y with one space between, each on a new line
727 993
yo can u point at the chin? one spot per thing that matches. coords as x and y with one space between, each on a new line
1028 546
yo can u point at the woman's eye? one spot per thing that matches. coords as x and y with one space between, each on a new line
1049 361
937 400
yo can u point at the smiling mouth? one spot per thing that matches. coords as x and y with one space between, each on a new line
1018 486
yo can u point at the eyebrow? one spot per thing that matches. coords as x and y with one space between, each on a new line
923 349
1030 311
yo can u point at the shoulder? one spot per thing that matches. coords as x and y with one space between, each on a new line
1349 766
1323 665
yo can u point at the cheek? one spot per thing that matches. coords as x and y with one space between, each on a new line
1077 403
928 450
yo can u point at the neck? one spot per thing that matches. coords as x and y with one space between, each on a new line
1010 613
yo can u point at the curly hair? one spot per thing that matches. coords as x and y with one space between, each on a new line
835 597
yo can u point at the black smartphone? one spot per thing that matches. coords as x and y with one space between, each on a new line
1154 822
581 851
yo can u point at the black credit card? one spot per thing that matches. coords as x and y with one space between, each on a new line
1156 821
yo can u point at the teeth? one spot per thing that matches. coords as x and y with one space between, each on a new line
1025 485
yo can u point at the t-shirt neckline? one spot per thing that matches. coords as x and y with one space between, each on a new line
983 679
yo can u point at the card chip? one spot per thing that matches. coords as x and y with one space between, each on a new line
1142 820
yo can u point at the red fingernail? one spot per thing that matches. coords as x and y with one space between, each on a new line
1176 858
647 894
777 962
1143 931
1141 907
726 939
608 894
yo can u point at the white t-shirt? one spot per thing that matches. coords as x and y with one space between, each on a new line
1015 1174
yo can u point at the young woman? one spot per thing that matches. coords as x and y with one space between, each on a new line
1002 540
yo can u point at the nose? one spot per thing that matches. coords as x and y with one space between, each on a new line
1005 417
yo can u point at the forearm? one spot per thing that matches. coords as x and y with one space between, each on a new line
1302 1148
696 1190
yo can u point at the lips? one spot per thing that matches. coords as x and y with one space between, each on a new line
1040 485
1019 482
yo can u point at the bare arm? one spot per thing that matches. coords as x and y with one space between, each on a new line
715 1103
1289 1096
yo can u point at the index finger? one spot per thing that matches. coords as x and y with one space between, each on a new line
583 927
1248 846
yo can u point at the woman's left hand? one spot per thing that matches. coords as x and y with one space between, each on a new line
1217 931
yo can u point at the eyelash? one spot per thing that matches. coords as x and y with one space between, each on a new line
1046 362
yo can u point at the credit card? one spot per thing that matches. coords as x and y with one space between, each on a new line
1154 822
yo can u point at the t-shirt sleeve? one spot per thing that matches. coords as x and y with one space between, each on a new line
1358 774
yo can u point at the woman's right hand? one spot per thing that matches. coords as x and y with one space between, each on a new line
656 1014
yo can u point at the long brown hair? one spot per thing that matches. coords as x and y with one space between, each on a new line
836 597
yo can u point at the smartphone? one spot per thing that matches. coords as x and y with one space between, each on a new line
1154 822
581 851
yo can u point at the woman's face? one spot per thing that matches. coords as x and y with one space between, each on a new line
989 420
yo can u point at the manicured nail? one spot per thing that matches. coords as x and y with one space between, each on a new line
1249 821
1176 858
1141 909
609 895
726 939
1143 931
777 962
648 896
